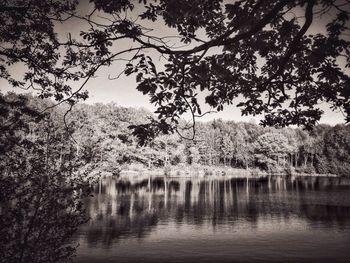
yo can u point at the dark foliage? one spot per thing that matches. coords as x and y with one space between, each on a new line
41 189
44 174
281 58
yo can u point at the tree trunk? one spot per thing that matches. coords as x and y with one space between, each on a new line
166 154
305 160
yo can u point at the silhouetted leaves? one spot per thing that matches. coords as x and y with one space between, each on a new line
277 63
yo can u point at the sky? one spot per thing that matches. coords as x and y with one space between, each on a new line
123 89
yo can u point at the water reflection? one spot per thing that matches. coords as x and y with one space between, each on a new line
133 209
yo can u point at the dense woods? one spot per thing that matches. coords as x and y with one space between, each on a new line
97 137
283 60
42 185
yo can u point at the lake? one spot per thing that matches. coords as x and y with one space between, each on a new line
220 219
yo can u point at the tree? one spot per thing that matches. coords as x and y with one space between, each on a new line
193 155
273 54
41 199
227 149
336 150
242 149
271 149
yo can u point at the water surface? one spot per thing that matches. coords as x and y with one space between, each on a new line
218 220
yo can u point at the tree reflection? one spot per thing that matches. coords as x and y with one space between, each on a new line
133 208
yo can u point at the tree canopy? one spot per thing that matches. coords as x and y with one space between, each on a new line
280 58
104 144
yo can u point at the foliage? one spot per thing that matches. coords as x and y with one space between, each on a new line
270 148
46 169
281 58
99 139
41 190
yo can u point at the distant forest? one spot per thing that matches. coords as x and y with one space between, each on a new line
98 136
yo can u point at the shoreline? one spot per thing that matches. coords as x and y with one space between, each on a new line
217 172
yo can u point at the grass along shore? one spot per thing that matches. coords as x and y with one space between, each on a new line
203 171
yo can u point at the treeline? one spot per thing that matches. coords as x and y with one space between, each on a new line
98 135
